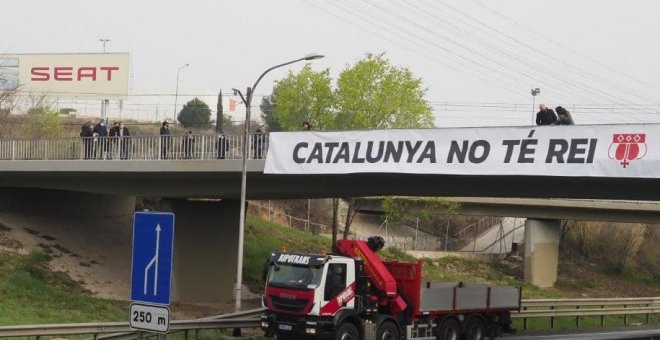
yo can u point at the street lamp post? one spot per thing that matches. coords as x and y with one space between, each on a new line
105 103
247 100
104 41
535 92
176 94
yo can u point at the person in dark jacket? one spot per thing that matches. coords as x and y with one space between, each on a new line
223 146
165 140
121 134
114 139
100 134
545 116
86 133
259 141
306 126
563 116
189 144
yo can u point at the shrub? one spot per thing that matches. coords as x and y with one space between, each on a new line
616 244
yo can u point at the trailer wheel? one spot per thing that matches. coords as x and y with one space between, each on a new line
347 331
450 329
387 331
475 329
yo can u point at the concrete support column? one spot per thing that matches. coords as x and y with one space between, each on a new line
541 251
205 247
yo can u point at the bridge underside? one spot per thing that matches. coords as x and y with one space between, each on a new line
221 179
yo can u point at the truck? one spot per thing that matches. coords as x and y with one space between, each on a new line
351 294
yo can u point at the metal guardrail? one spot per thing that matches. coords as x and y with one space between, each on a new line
117 327
578 308
533 308
247 315
167 147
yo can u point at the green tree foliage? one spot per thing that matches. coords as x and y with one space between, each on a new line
267 114
304 96
372 94
195 114
43 122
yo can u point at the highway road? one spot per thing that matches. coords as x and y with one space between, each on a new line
644 332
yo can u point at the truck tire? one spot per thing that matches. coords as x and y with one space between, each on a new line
449 329
475 329
387 331
347 331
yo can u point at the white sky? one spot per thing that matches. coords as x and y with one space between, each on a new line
229 43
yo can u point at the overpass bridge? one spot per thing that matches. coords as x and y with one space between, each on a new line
540 208
149 169
177 169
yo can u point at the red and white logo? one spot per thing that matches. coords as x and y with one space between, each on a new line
627 147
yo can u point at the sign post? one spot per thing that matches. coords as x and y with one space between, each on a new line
151 274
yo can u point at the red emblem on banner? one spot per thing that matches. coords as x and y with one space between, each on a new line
627 147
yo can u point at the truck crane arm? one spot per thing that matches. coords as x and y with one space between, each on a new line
380 276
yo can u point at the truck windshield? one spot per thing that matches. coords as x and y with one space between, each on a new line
290 275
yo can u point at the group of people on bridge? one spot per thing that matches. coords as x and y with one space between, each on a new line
99 142
560 116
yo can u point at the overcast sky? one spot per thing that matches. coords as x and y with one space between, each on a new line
588 55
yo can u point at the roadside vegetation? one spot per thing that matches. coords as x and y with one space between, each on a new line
32 294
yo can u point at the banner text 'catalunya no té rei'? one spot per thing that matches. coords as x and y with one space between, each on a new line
576 151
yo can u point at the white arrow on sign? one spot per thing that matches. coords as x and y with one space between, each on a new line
154 261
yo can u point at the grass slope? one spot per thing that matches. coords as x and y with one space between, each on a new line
31 294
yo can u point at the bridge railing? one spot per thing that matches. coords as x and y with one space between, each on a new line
170 147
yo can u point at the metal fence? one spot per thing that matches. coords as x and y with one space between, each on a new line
401 242
170 147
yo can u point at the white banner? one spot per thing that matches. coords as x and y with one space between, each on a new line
91 75
575 151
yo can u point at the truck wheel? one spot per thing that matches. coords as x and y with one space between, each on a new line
347 331
387 331
475 329
450 329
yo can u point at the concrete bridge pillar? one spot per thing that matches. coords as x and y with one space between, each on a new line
541 251
205 247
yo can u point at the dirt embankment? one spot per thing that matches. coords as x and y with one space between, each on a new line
95 251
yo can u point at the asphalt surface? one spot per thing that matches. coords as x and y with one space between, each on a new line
644 332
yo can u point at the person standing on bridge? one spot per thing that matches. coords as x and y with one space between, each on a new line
86 134
563 116
189 144
223 146
121 134
100 134
165 140
259 141
545 116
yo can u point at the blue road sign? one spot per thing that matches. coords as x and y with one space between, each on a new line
153 242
